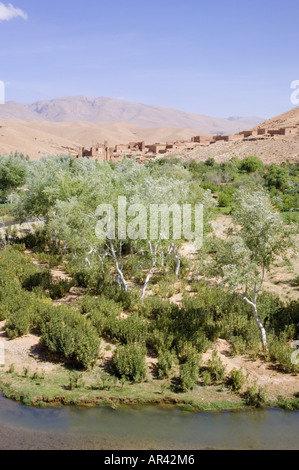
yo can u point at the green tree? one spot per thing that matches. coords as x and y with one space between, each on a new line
258 238
13 171
277 176
67 194
251 164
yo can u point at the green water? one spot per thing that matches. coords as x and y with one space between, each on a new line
145 428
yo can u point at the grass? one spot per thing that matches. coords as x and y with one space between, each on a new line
55 389
291 404
224 210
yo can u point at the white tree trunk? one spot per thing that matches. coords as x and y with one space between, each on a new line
177 269
175 252
261 328
119 271
150 271
258 321
148 278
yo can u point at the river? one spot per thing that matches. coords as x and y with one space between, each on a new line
147 427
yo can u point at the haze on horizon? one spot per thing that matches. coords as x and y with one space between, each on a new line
218 58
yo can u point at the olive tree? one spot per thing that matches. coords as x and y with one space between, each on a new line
13 170
258 238
77 198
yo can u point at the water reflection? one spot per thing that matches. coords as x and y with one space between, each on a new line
145 428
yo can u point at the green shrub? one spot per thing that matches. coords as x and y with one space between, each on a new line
58 290
40 279
134 268
225 198
87 304
281 354
216 368
206 377
75 380
26 371
183 272
130 300
18 324
11 369
129 361
213 187
276 176
238 345
166 290
153 307
131 330
100 304
22 311
255 396
189 372
166 363
283 316
37 241
236 380
251 164
159 340
64 331
20 247
104 315
102 323
50 259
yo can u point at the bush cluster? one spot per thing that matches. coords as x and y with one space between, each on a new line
129 361
65 332
189 373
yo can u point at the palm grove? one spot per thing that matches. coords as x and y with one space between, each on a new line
128 282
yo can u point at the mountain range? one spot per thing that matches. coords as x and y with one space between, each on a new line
43 128
110 110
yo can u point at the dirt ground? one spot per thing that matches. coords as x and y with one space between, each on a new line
25 352
263 373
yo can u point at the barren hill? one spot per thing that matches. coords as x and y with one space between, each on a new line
108 110
37 139
273 150
290 118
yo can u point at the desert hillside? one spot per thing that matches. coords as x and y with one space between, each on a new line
41 138
38 139
290 118
274 150
108 110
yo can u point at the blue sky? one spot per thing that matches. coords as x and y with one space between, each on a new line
220 58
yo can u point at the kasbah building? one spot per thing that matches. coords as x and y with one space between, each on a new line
143 152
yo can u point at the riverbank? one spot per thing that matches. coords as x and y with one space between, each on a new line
34 388
37 389
34 377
